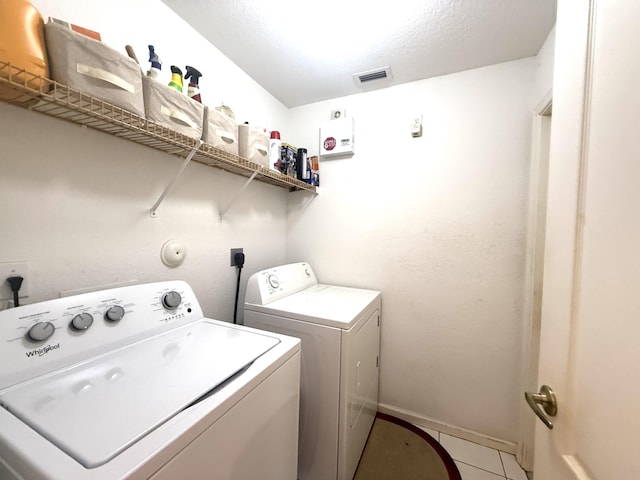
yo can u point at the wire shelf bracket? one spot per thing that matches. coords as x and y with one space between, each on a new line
186 161
235 197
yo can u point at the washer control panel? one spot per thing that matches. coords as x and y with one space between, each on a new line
37 338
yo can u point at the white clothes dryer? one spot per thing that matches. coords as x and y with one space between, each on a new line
340 332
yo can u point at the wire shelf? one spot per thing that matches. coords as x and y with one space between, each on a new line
34 92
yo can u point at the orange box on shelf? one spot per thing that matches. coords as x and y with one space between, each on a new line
22 44
77 28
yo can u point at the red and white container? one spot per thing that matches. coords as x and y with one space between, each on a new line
275 145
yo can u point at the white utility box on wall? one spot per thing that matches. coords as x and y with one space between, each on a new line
336 137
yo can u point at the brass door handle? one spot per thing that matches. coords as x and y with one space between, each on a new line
547 399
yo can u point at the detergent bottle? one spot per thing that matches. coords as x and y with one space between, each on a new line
275 146
176 78
22 45
193 90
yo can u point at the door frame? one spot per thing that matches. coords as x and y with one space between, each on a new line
538 183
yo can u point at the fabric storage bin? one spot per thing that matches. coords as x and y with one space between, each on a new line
220 130
253 145
172 109
91 67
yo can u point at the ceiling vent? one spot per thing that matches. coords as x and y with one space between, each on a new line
376 75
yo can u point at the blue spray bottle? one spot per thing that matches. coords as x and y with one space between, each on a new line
156 63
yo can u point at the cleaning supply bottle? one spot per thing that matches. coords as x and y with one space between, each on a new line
156 63
315 171
176 78
193 90
275 145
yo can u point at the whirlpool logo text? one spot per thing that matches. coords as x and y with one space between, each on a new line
39 352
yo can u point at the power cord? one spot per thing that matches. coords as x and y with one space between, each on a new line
15 283
239 258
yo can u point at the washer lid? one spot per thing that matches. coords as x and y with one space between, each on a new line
95 410
327 305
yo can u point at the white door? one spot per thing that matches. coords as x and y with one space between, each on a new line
590 339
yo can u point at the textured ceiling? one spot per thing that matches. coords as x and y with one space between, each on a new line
303 52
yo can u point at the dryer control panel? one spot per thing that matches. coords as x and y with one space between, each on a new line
275 283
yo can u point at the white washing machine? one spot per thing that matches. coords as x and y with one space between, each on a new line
133 383
340 332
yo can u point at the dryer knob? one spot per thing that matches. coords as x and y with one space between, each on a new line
114 313
82 321
274 281
41 331
171 300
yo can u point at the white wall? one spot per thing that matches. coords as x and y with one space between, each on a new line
75 203
543 80
438 224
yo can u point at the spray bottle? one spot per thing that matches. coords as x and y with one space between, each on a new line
193 91
156 64
176 78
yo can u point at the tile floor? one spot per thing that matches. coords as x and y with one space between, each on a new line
477 462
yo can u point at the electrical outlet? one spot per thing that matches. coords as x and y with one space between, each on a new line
233 255
10 270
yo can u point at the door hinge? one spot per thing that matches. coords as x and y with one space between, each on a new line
376 361
378 320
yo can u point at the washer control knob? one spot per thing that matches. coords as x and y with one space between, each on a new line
82 321
114 313
41 331
171 300
274 281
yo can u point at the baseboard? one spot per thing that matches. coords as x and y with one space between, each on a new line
454 431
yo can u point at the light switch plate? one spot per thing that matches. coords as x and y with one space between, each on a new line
416 126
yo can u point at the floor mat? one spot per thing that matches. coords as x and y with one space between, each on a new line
397 450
